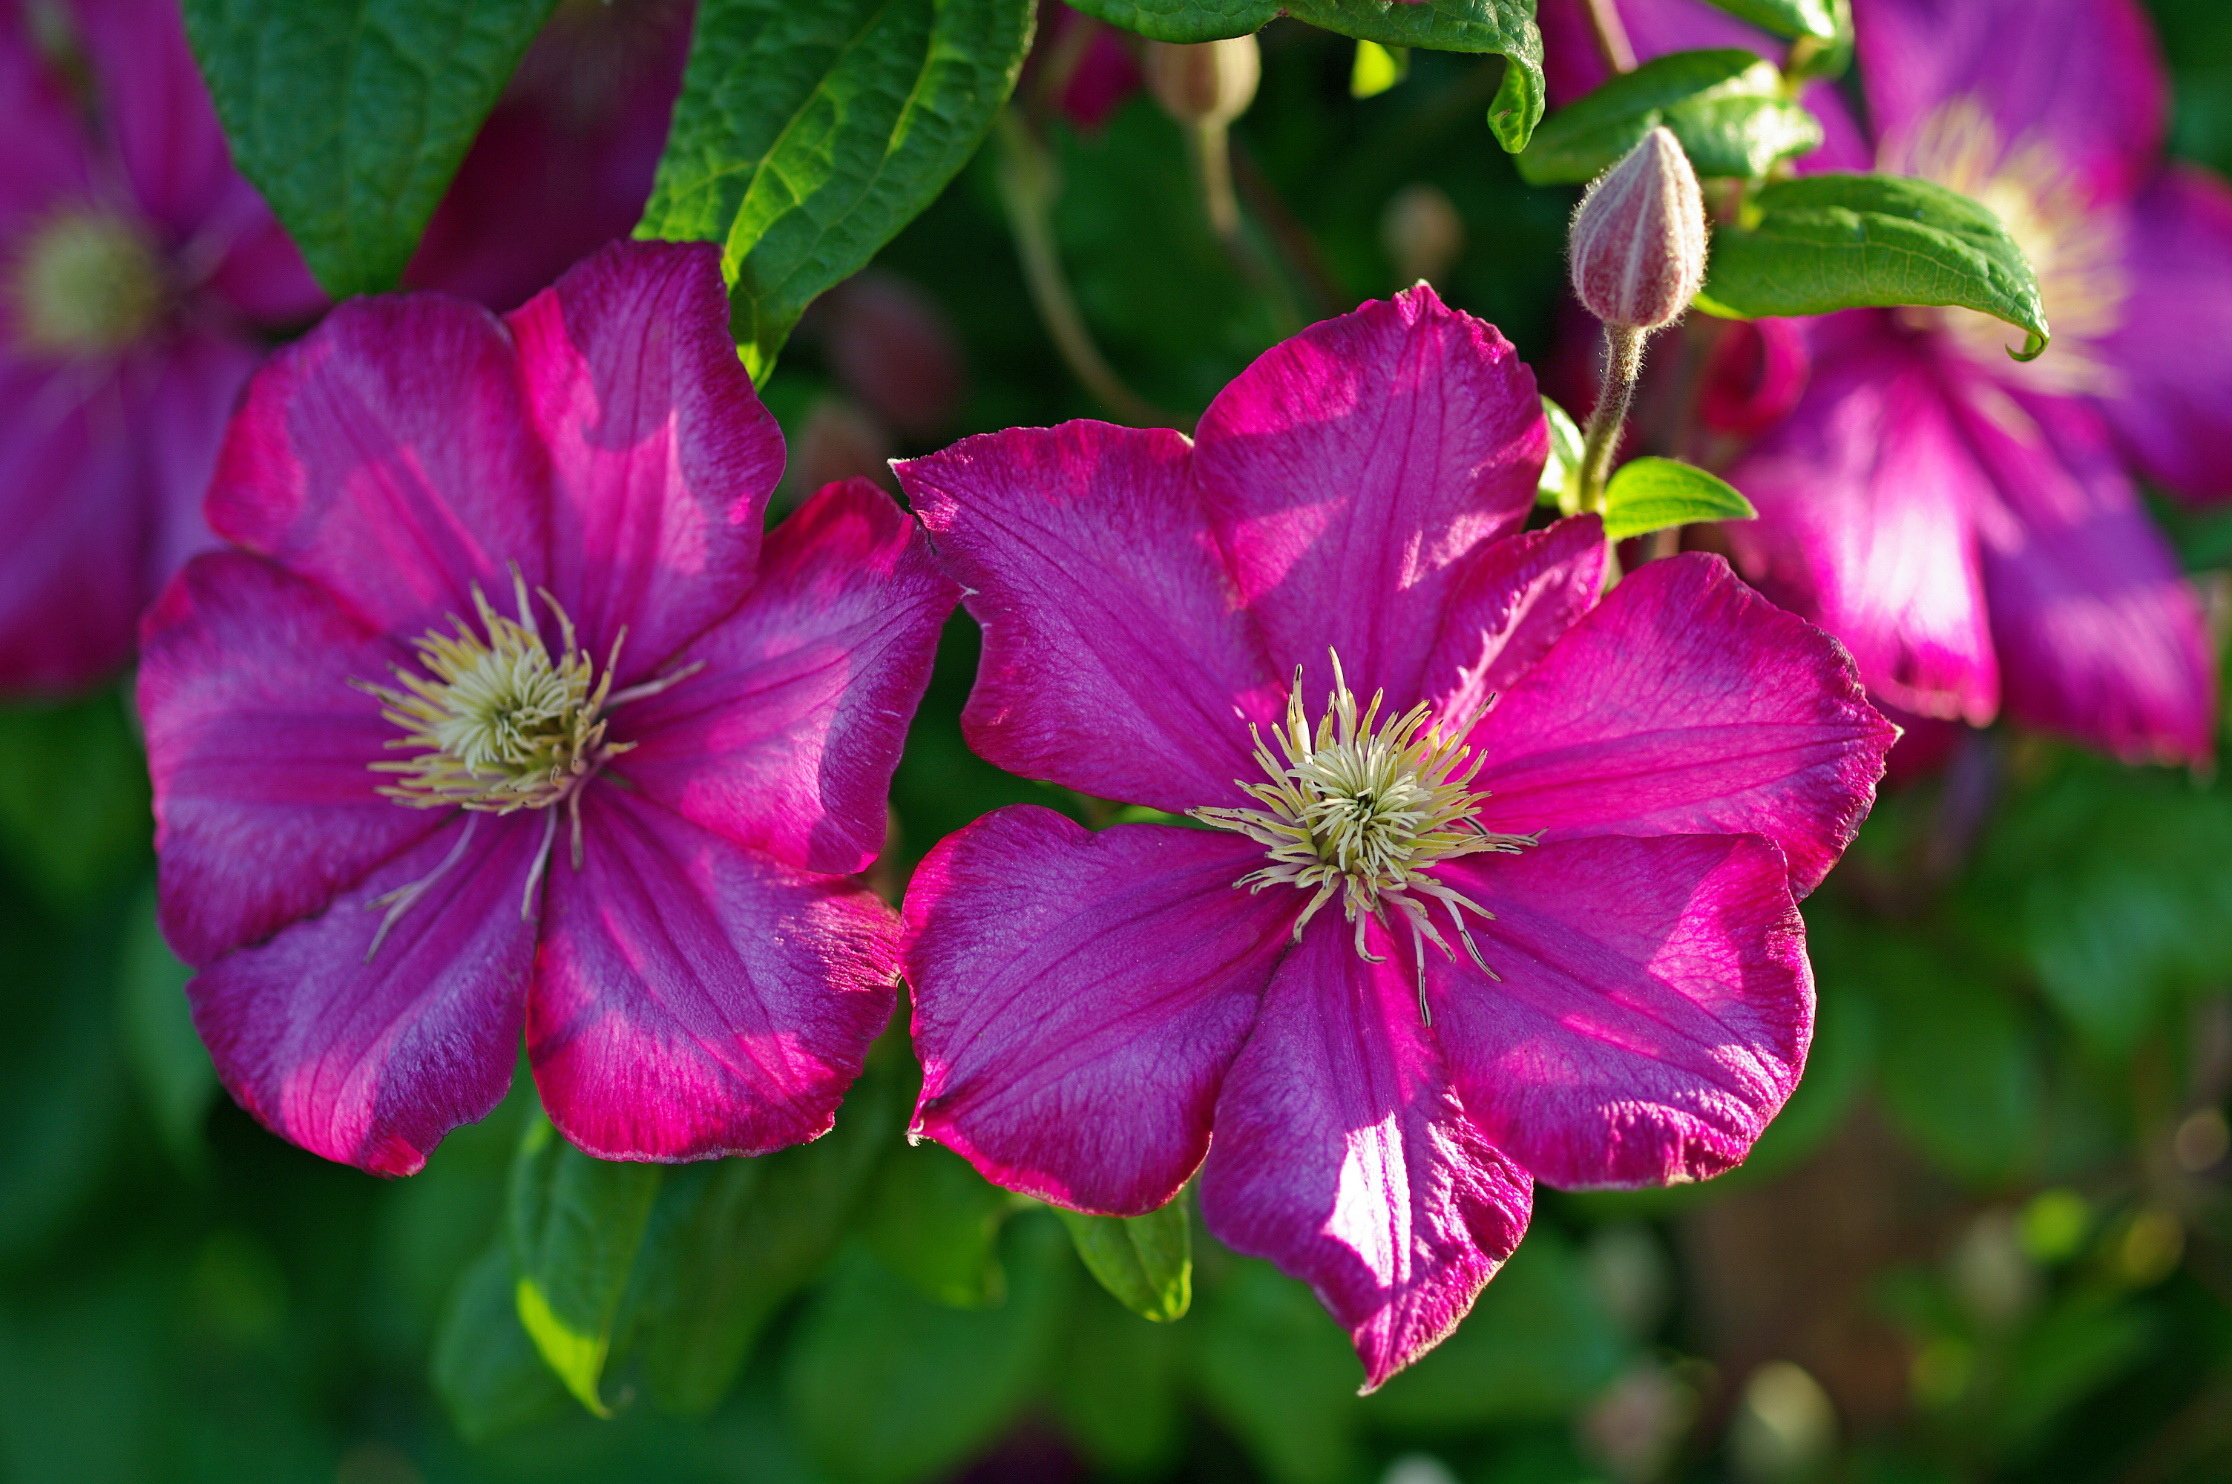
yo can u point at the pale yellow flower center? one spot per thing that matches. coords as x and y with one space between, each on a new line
86 283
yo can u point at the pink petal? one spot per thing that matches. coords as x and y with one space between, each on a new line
1867 498
1352 470
693 999
661 455
1117 659
2171 405
194 386
2100 636
1515 600
1685 703
387 456
1078 997
1343 1156
1650 1011
261 752
2079 77
49 156
371 1061
786 741
156 110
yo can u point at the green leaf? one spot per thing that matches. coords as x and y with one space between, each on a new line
936 1222
1815 18
352 115
486 1370
1184 20
1377 68
730 1240
1728 108
1959 1069
1830 242
575 1224
1651 494
166 1057
1560 484
1279 1374
74 814
1506 27
1145 1261
808 135
888 1387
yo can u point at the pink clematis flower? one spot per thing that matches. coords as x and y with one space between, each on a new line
141 275
500 714
1967 525
1498 881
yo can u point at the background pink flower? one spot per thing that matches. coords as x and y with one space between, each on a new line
666 916
141 275
1659 775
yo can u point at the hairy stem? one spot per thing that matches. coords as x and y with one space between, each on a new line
1623 367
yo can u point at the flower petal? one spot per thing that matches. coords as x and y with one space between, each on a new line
661 455
1685 703
1078 997
1650 1012
371 1060
386 456
787 740
1117 659
1867 497
1352 470
261 752
1514 601
2172 405
693 999
1342 1155
2100 636
2079 76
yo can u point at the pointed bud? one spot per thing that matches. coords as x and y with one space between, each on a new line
1210 83
1639 238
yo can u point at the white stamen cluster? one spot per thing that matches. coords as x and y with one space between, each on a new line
1363 811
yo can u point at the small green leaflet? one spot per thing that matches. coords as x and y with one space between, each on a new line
574 1223
808 135
352 115
1560 485
1145 1261
1830 242
1651 494
1818 19
1728 108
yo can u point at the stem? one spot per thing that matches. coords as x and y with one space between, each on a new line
1304 263
1027 189
1209 146
1610 35
1623 366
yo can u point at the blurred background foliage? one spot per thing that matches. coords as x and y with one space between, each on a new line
1990 1238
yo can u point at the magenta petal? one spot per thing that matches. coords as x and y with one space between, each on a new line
2171 403
786 741
1370 454
1343 1156
371 1061
661 455
1685 703
2100 635
1650 1010
387 457
1078 997
261 752
1117 659
156 110
693 999
1515 600
1867 498
2080 77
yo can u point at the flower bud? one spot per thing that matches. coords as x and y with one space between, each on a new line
1208 84
1422 232
1639 238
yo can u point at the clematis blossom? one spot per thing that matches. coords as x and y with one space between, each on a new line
1477 880
1970 526
498 715
142 276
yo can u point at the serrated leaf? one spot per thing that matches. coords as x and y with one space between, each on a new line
1652 494
1727 107
1560 484
808 135
487 1372
1830 242
1183 20
1146 1262
1506 27
575 1224
352 115
1815 18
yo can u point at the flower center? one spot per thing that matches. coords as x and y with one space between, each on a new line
1364 810
2076 248
86 283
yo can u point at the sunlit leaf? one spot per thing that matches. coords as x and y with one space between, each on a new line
1728 108
1654 494
1146 1262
